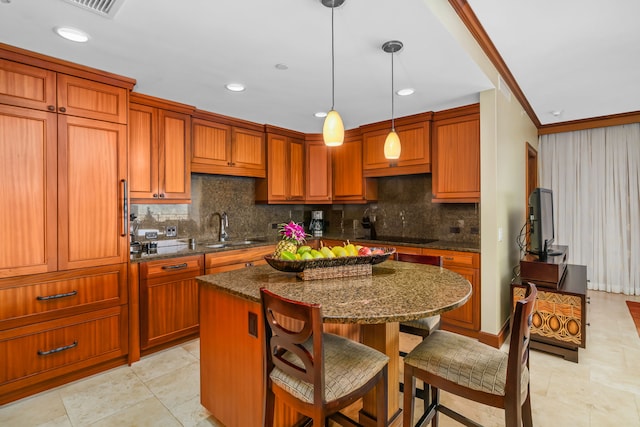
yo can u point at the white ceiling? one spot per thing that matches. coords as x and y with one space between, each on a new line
578 56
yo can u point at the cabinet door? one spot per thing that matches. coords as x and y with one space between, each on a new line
86 98
318 173
26 86
277 168
143 152
466 317
92 167
295 170
414 156
456 165
347 171
28 211
248 152
211 145
174 155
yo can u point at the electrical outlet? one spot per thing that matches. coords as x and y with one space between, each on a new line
151 235
171 231
454 230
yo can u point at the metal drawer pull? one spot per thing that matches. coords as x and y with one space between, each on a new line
449 258
175 267
48 297
57 350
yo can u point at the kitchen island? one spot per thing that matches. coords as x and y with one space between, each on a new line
231 326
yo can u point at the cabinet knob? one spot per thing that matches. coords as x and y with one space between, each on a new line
63 110
51 108
233 164
155 196
229 163
162 195
248 264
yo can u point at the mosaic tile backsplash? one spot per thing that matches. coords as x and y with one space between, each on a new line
403 208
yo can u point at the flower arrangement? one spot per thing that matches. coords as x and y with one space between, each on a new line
292 231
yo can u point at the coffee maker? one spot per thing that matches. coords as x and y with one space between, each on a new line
316 226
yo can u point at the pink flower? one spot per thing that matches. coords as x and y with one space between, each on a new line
292 231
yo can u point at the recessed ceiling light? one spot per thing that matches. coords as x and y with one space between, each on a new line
556 113
282 66
235 87
405 92
321 114
72 34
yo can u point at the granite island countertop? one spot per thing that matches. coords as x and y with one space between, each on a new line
396 291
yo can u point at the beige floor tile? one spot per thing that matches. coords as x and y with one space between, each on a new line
193 347
162 362
148 413
177 387
191 413
102 395
50 411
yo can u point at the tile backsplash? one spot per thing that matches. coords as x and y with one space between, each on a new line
404 208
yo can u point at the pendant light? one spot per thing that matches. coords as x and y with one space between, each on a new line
392 146
333 128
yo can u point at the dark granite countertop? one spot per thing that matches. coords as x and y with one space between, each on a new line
396 291
180 247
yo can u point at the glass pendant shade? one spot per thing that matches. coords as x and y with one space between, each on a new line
333 129
392 146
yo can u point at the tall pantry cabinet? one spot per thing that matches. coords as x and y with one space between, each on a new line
63 165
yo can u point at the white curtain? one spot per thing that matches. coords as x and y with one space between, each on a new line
595 178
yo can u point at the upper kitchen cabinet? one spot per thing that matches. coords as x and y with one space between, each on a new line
285 168
349 184
227 146
37 88
414 133
63 204
159 150
456 155
317 177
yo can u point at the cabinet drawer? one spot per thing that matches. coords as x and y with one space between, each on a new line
41 297
453 258
240 256
45 350
189 265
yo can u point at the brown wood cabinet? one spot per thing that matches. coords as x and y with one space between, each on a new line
456 155
464 320
63 152
227 146
415 155
56 327
317 176
159 150
169 299
38 88
349 184
285 168
218 262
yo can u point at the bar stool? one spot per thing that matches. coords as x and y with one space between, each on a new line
475 371
317 374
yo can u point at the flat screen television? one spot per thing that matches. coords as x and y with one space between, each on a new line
541 231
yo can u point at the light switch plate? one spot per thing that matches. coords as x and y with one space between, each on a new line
171 231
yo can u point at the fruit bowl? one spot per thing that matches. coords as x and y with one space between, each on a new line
296 266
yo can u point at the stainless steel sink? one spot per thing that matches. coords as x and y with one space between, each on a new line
217 245
221 245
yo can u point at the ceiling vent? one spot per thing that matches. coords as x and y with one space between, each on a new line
105 8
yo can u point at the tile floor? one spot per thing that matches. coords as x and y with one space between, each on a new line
163 389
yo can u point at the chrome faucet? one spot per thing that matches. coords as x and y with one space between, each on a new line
224 223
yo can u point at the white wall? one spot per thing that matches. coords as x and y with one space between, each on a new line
505 130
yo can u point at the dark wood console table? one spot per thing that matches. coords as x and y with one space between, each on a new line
560 314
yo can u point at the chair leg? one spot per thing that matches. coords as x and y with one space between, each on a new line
527 420
435 397
382 405
513 414
409 395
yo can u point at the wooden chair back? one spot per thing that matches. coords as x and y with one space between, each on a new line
291 325
519 343
419 259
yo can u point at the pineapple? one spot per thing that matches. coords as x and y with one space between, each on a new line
292 235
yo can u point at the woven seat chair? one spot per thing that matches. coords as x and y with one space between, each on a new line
315 373
475 371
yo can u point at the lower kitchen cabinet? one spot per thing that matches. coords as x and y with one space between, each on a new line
169 300
58 327
464 320
218 262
